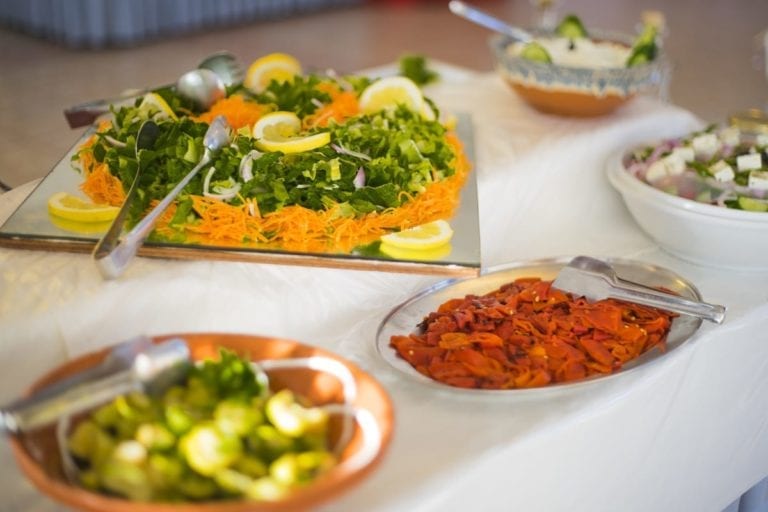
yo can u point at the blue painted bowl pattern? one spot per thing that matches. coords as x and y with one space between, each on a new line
598 82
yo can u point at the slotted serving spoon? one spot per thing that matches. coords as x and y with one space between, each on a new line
113 257
596 279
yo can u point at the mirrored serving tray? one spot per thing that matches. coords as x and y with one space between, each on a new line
31 227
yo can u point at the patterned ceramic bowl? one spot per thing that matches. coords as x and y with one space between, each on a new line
575 91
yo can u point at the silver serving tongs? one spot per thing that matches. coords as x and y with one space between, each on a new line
145 139
595 280
114 252
134 365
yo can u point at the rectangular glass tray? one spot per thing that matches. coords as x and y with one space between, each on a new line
31 227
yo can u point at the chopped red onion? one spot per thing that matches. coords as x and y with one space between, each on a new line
359 181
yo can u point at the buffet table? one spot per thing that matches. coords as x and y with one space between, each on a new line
687 433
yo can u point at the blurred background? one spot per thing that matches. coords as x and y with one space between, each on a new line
57 53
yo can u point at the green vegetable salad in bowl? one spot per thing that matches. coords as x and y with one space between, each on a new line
247 426
718 166
702 196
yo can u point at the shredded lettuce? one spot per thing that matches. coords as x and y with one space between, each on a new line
399 152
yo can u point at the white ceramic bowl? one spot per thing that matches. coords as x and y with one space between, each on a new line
701 233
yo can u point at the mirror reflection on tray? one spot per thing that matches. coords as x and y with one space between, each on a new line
320 169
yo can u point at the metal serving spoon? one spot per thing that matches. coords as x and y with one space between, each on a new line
222 64
201 86
145 139
225 65
113 262
595 280
488 21
134 365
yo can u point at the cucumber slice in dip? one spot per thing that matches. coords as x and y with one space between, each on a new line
753 205
536 52
644 49
571 27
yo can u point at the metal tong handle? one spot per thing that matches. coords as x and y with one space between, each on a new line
633 292
113 255
134 365
86 113
486 20
112 262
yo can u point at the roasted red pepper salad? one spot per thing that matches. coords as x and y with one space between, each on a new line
527 334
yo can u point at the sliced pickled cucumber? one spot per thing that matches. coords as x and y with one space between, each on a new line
753 205
644 49
571 27
535 52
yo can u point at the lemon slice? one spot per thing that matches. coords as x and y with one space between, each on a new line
82 228
279 131
67 206
398 253
275 66
156 107
391 91
424 237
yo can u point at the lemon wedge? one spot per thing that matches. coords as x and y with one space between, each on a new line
275 66
279 131
391 91
420 238
67 206
155 107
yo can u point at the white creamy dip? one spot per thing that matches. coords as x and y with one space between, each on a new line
581 53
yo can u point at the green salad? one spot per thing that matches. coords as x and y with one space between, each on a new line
718 165
380 146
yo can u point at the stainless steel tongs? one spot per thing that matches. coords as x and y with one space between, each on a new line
134 365
595 280
115 250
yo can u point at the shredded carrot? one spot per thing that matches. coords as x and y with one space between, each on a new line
102 187
528 334
238 111
99 185
342 106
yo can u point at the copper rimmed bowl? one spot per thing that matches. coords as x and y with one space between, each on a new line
574 91
38 456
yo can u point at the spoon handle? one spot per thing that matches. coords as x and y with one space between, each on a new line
486 20
137 235
631 292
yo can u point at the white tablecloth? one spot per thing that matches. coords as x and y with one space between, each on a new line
689 433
